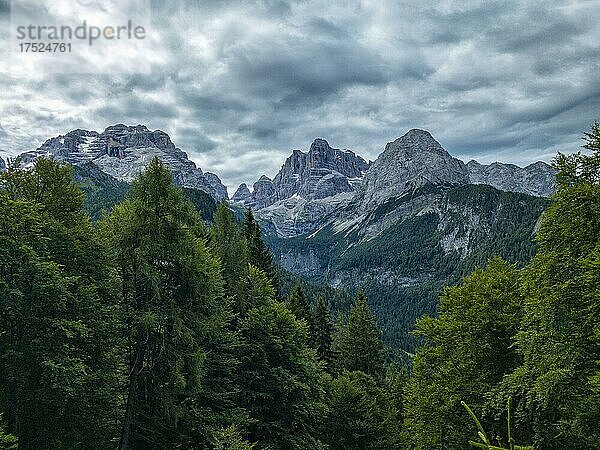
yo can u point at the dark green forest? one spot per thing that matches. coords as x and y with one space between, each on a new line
147 326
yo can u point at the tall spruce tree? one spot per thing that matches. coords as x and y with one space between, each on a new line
321 331
358 343
281 382
259 254
171 289
357 414
298 304
227 242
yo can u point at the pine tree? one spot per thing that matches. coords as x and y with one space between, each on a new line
7 440
298 304
171 288
322 332
281 383
358 343
357 414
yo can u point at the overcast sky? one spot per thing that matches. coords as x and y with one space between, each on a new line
239 84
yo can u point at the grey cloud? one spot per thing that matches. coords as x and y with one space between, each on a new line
194 140
238 84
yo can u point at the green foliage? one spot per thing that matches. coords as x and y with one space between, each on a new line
175 322
259 254
357 413
157 332
230 438
227 243
281 383
358 343
298 304
467 351
321 332
554 389
7 441
102 192
58 308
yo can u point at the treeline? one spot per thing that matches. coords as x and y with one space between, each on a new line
152 330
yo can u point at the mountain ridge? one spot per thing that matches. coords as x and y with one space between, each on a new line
123 151
310 185
299 200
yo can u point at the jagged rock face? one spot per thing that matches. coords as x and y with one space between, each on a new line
242 194
323 183
295 216
322 172
215 182
408 163
2 165
308 187
536 179
263 194
124 151
328 185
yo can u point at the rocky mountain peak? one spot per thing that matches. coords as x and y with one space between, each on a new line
413 142
264 193
123 151
535 179
242 194
321 172
2 165
407 163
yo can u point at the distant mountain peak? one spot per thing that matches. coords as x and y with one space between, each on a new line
319 143
535 179
242 194
321 172
414 141
123 151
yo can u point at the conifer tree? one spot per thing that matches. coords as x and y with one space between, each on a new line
171 289
298 304
357 416
281 382
58 349
258 253
555 390
322 332
467 351
227 243
358 343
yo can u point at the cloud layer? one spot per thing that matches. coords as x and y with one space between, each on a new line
238 84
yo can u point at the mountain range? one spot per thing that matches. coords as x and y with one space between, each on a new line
311 186
400 227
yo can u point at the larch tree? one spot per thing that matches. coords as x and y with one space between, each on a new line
556 388
171 287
